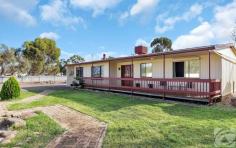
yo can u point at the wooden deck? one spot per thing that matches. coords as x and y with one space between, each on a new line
204 90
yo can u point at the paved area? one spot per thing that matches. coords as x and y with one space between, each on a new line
82 131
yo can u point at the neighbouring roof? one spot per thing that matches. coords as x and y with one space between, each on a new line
186 50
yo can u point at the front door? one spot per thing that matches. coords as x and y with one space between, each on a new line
127 72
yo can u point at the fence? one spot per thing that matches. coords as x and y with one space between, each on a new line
37 79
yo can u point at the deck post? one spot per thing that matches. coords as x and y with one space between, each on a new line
164 76
209 77
132 75
109 76
92 75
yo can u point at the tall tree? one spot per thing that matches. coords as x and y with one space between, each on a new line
23 64
72 60
43 55
8 61
63 62
161 44
75 59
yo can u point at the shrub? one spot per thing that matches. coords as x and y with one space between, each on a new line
10 89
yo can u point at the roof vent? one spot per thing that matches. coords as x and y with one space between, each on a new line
139 50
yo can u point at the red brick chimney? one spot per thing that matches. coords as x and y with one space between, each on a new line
139 50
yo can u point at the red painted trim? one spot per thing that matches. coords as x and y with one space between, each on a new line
187 87
179 51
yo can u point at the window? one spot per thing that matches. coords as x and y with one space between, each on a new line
178 69
79 72
194 69
188 69
146 70
97 71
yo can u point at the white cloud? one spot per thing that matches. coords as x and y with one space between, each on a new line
18 11
97 6
195 37
141 42
169 23
217 31
49 35
58 13
140 7
98 56
66 55
123 17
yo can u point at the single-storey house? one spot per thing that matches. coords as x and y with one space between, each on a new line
199 73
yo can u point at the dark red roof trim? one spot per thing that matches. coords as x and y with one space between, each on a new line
186 50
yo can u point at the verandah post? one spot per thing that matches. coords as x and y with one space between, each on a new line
209 66
109 76
164 76
92 75
132 65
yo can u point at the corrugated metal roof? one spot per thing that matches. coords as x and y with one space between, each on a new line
186 50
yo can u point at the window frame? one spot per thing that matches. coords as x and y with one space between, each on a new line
186 75
145 70
79 74
100 72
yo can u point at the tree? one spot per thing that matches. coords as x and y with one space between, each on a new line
8 61
63 62
23 64
43 55
10 89
72 60
75 59
161 44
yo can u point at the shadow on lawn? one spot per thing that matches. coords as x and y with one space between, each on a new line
106 102
36 88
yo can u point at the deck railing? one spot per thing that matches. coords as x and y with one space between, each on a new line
177 87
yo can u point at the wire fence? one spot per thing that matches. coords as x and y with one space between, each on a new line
36 79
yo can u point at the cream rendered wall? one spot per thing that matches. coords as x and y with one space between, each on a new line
169 67
215 66
113 69
228 71
228 76
157 67
87 69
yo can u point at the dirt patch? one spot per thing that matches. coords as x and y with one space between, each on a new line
36 97
5 124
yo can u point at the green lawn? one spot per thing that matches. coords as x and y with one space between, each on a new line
141 123
24 94
38 132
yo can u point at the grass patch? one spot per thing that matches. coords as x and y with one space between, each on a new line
38 132
142 123
24 94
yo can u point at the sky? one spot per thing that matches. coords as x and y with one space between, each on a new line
114 27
